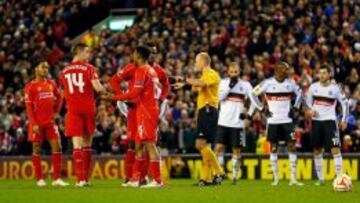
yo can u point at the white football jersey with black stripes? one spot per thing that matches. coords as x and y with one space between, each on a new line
232 102
278 97
323 100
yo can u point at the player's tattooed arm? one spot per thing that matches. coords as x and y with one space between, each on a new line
299 96
258 90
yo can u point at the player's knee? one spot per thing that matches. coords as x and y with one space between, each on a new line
200 144
236 151
335 151
77 142
86 141
317 151
36 149
219 148
273 148
291 147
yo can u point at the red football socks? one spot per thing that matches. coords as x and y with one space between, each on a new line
36 160
129 163
86 155
56 161
78 164
155 170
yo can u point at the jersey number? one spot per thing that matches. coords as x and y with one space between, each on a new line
75 79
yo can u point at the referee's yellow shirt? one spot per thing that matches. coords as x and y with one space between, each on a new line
209 94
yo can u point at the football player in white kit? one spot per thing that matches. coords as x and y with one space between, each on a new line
233 93
321 100
278 91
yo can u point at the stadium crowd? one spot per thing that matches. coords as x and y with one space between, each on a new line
255 34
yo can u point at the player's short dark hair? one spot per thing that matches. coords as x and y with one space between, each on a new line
153 45
38 60
325 67
283 63
143 51
78 47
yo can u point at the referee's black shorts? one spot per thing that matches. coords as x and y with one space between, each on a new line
207 123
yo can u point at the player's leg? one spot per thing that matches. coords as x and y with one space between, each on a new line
78 161
288 129
236 163
56 162
36 140
212 119
149 138
87 139
207 122
154 156
87 156
74 128
129 161
333 142
220 144
146 166
336 152
53 137
36 161
136 173
317 141
272 138
237 141
205 176
130 152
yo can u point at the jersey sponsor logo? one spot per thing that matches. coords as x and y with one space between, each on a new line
46 95
324 101
278 96
235 97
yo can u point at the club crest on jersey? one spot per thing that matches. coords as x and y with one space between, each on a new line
39 88
274 88
316 91
288 87
330 93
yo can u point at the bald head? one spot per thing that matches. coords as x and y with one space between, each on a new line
202 60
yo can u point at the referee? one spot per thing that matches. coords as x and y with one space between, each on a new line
207 115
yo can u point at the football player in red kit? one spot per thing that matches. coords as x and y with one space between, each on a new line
129 110
79 80
43 101
145 94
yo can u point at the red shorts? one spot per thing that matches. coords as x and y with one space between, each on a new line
147 130
79 124
48 132
131 125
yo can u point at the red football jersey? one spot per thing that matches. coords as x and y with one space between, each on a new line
79 93
40 98
144 92
163 79
128 74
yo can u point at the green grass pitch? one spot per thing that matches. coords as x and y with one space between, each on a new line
104 191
